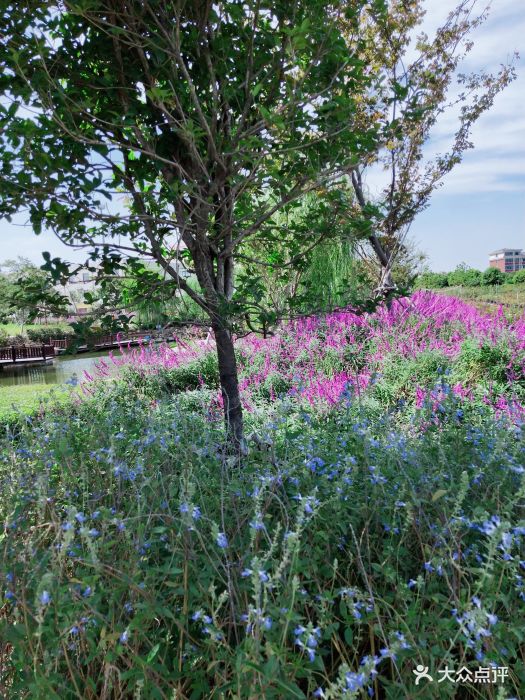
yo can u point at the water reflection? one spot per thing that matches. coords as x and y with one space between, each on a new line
64 367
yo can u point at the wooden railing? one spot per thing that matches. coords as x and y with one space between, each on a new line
15 353
111 339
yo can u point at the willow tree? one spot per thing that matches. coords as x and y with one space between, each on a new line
208 117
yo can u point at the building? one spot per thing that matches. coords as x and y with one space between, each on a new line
507 259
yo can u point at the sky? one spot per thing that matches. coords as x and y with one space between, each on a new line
481 206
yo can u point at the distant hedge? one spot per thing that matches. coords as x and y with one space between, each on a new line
468 277
42 335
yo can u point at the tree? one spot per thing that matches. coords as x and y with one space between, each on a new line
432 280
517 278
411 93
406 265
493 276
27 293
464 275
210 117
285 280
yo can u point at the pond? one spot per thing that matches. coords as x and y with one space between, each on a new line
63 368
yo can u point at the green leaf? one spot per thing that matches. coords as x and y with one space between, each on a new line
153 653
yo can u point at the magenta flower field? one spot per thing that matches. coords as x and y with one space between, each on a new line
316 360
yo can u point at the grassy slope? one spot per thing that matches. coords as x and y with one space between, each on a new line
511 296
26 398
16 329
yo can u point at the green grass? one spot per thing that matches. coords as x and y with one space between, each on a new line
27 398
17 329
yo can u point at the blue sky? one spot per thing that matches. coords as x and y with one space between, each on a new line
481 206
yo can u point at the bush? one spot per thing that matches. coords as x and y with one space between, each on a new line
485 363
401 375
197 374
44 333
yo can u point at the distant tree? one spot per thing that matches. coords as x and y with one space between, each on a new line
517 278
493 276
27 293
432 280
466 276
410 96
473 278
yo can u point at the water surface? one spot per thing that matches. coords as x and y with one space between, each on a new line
64 367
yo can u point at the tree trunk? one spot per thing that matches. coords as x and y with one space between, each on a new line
229 385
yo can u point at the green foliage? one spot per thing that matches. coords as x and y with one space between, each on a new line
42 334
27 293
465 276
493 276
517 277
484 363
431 280
401 375
101 109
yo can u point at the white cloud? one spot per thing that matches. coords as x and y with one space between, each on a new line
497 162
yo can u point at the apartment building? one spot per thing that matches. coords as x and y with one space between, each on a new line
507 259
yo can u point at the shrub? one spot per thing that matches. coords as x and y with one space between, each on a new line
484 362
401 375
464 275
44 333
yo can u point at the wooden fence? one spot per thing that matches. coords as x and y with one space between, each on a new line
25 353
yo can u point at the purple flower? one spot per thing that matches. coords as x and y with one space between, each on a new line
45 598
222 540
